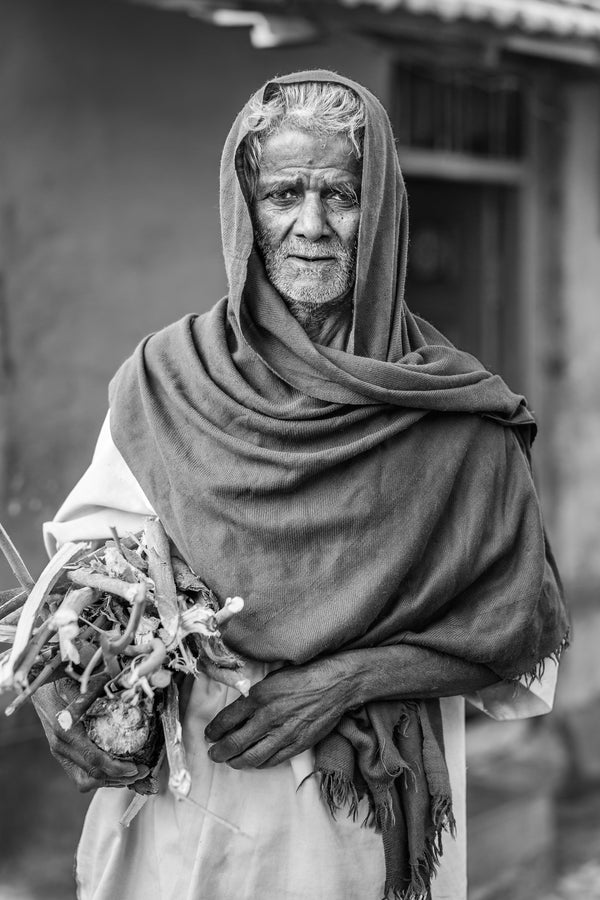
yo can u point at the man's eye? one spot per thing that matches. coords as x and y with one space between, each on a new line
347 199
285 195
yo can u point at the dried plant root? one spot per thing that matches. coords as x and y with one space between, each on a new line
122 729
42 678
92 664
38 595
79 705
186 580
215 650
226 676
119 619
160 570
12 602
106 583
148 664
180 781
45 675
230 608
13 558
7 634
64 621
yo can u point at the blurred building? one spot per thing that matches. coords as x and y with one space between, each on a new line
112 119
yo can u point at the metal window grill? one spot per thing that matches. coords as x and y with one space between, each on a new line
464 112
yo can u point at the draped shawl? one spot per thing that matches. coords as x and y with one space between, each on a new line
379 495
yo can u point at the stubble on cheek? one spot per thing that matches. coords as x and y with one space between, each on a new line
308 285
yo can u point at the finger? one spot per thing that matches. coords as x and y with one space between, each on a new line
271 751
83 761
66 689
257 756
237 742
77 749
84 782
234 715
117 784
125 782
136 773
83 753
95 758
96 779
74 746
88 779
282 755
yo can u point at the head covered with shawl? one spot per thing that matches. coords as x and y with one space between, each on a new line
364 493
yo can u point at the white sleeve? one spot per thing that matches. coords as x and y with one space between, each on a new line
518 700
106 495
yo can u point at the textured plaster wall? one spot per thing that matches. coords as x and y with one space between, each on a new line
112 119
579 421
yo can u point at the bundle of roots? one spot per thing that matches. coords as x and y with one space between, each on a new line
124 622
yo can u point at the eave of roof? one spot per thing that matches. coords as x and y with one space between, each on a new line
577 18
561 30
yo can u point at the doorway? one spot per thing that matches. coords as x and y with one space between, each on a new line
463 267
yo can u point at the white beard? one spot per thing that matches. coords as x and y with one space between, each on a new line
318 287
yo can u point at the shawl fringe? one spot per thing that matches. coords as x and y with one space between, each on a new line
380 816
537 672
423 870
339 791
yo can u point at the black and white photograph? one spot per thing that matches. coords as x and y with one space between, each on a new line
299 443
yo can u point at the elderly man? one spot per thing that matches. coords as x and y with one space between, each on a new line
311 445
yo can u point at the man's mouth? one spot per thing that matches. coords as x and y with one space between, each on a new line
311 259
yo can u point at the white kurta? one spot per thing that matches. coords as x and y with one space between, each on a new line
260 834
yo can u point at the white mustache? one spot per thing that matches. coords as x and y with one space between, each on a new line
310 250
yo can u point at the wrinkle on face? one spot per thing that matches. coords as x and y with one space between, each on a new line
306 216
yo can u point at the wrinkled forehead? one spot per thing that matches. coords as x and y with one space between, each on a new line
294 153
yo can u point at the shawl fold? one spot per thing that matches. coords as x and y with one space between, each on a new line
354 499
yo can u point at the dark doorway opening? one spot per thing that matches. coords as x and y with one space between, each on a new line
463 268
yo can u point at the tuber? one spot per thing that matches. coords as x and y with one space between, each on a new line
119 620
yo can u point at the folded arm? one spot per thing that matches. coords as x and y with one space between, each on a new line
294 707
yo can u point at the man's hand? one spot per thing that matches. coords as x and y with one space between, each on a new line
84 762
287 712
293 708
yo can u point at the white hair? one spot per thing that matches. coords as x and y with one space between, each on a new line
316 107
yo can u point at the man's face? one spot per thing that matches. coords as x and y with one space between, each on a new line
306 215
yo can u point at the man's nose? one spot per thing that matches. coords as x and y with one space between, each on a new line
311 222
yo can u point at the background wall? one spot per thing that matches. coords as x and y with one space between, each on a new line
577 433
113 118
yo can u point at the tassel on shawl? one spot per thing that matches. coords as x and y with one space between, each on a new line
339 791
392 754
537 672
380 816
424 869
